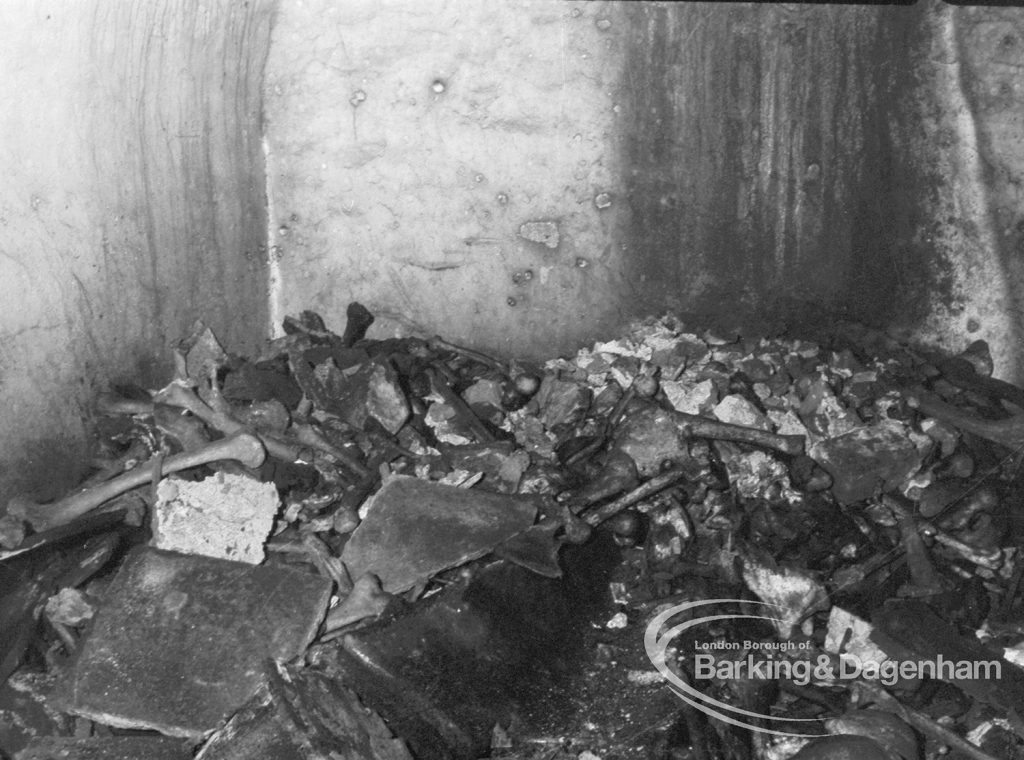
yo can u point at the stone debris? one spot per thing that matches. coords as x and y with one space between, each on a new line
651 437
850 634
790 595
868 460
736 410
366 390
70 607
697 398
226 516
389 548
562 402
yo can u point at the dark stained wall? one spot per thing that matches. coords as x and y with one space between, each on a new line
794 162
754 152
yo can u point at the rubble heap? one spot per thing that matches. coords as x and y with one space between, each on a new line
347 547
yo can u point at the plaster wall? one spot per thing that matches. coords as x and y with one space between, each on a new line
410 142
717 159
762 163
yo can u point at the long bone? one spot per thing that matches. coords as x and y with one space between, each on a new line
1008 431
243 448
184 398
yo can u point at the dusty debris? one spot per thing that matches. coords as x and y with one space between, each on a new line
562 402
368 389
29 579
912 627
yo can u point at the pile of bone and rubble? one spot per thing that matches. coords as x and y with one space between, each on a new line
355 548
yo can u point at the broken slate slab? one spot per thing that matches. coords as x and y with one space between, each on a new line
302 714
908 629
415 528
490 648
25 713
225 515
106 748
868 458
358 393
180 641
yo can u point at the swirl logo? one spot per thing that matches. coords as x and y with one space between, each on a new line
656 643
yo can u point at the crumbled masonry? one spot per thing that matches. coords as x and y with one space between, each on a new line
394 548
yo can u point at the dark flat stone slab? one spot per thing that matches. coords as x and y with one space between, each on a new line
181 640
908 629
416 528
106 748
301 715
499 646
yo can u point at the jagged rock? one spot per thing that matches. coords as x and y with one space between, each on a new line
880 456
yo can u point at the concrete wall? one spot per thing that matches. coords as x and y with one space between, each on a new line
711 158
409 144
717 159
132 202
767 163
